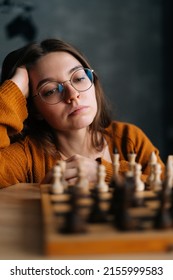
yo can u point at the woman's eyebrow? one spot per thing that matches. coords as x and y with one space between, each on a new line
43 82
75 68
50 79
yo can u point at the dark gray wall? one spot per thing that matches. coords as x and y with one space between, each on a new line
123 41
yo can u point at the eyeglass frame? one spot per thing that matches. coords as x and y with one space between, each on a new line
62 83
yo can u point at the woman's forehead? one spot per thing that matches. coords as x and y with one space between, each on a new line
55 65
54 61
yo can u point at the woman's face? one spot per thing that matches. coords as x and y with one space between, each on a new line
78 109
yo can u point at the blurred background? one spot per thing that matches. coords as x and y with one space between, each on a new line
129 43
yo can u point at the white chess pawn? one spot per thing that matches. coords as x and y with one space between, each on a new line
132 163
116 164
139 184
152 162
101 185
169 172
156 184
57 186
82 183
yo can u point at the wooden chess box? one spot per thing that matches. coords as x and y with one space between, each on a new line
101 238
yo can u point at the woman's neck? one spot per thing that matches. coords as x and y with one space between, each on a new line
77 142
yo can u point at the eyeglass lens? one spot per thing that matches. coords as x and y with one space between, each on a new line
53 92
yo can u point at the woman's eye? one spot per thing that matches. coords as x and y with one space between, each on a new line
78 80
50 92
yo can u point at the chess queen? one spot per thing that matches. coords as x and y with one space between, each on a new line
53 107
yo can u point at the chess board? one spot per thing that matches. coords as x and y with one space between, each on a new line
101 237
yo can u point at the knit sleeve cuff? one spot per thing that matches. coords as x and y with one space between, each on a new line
12 106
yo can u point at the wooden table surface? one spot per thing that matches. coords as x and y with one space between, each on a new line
21 233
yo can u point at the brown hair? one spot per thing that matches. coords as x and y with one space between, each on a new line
39 129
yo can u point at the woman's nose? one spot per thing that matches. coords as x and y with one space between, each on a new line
70 93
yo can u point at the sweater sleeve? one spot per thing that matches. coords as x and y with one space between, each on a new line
144 148
13 111
14 165
129 138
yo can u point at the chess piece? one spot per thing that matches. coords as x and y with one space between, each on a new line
116 164
57 185
97 215
152 162
139 184
101 185
139 187
171 203
132 163
116 177
114 187
163 219
74 222
168 182
156 184
82 183
169 172
122 219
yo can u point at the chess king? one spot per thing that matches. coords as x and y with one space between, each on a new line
53 107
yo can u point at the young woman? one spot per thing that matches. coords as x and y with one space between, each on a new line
53 107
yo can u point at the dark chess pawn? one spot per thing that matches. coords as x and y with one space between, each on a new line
116 183
122 219
97 215
74 222
163 219
171 207
136 186
169 181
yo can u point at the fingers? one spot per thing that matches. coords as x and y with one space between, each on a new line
71 173
72 167
21 79
72 182
74 158
89 165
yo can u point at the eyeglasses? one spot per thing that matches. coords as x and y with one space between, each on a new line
53 92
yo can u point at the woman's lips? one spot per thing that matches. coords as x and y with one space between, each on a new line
78 110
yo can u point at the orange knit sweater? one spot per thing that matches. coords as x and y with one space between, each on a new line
26 162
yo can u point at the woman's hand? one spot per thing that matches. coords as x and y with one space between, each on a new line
21 79
89 166
71 173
